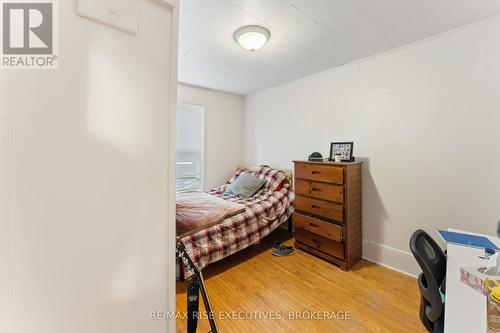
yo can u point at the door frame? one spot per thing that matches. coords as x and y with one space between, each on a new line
170 226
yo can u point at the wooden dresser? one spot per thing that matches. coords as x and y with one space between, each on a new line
327 215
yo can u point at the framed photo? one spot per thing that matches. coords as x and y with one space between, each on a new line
342 148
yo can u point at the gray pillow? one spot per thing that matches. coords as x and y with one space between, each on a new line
245 186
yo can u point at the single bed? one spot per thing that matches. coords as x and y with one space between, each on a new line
264 212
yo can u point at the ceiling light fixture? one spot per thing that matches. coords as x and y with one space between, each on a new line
252 37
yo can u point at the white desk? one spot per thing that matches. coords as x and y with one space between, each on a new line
465 310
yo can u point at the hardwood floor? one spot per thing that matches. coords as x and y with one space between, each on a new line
374 298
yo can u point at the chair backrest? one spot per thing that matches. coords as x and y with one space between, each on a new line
432 260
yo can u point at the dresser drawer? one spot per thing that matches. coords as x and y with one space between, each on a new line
322 244
321 208
321 228
317 190
319 172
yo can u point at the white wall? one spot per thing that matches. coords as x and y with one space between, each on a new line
425 119
86 180
224 117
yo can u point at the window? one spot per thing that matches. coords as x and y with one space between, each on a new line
190 148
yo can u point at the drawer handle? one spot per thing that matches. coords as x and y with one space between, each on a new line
313 225
316 207
316 172
316 189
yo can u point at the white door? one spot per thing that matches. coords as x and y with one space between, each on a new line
87 200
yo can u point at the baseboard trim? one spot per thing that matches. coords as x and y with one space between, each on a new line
392 258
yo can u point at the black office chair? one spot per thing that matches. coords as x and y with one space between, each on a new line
432 260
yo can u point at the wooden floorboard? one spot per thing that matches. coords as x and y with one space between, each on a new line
376 299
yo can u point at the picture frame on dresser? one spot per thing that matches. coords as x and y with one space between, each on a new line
345 149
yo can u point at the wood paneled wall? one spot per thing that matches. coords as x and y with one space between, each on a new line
425 119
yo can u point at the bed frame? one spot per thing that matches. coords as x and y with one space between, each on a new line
179 265
289 176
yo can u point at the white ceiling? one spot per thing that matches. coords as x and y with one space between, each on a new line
307 36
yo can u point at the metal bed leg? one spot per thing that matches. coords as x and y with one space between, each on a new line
181 270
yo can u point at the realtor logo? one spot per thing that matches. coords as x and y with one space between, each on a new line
28 31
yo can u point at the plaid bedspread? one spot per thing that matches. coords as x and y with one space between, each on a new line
265 211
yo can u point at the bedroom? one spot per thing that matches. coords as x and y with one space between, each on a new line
294 165
411 83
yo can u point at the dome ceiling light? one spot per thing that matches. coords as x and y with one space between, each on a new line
252 37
